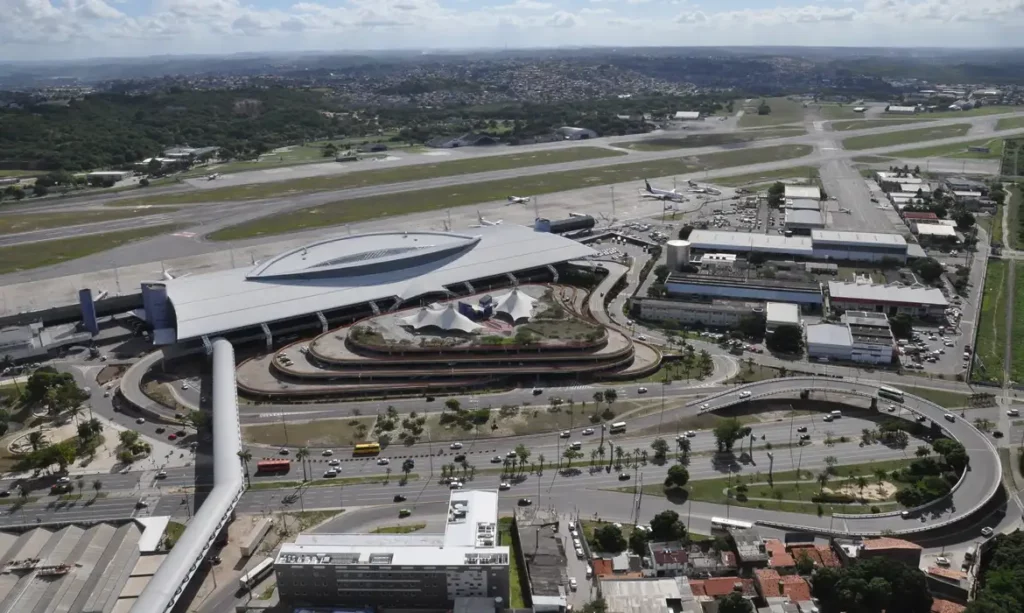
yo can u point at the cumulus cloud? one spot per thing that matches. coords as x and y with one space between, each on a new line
562 19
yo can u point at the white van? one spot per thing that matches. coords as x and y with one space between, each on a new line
836 414
590 571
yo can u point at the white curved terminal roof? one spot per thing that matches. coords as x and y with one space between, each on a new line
350 270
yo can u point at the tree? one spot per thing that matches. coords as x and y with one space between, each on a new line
684 232
964 220
734 602
64 454
727 432
610 396
786 338
902 325
751 326
40 190
144 182
666 526
776 194
245 456
571 454
595 606
823 479
871 585
638 542
452 404
929 269
609 539
598 397
660 448
97 485
830 464
804 563
301 456
36 440
677 476
523 454
923 451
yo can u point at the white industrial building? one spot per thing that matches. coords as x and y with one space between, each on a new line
892 299
711 314
892 108
686 115
781 313
871 336
820 245
829 342
401 571
718 260
806 204
812 192
934 231
803 220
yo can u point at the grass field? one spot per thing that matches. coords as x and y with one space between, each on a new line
309 153
795 172
864 124
47 253
1011 233
784 110
388 205
515 586
666 143
1009 123
980 111
1017 330
956 150
991 344
13 224
838 111
19 173
796 490
949 400
378 177
320 432
1010 165
400 529
890 139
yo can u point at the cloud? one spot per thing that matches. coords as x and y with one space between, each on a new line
692 17
562 19
525 5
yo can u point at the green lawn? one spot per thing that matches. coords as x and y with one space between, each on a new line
389 205
890 139
796 497
1012 233
1009 123
665 143
784 111
795 172
955 150
173 532
943 398
864 124
516 599
318 433
991 347
48 253
981 110
838 111
20 173
1017 330
753 373
13 224
378 177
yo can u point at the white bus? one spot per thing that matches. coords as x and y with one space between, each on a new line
258 573
723 524
890 393
619 426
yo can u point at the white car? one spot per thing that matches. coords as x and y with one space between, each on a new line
745 394
986 531
572 583
140 420
950 417
941 561
565 434
1013 412
588 431
383 462
334 463
579 552
641 390
327 453
162 474
504 486
184 385
892 408
690 434
455 446
705 407
455 485
330 473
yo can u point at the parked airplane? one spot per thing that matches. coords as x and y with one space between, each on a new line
519 199
485 222
660 194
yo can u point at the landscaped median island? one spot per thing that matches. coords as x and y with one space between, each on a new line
666 143
47 253
390 205
990 352
384 176
889 139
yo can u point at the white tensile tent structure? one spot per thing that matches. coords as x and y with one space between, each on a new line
516 304
446 318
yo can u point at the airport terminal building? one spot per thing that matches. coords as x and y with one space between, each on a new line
824 245
339 279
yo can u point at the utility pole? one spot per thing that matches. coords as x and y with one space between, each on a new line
771 467
613 204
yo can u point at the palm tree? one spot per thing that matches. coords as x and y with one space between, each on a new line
245 455
777 494
823 479
75 411
636 456
301 456
619 452
861 484
36 440
540 460
80 484
610 396
598 397
880 475
97 485
593 456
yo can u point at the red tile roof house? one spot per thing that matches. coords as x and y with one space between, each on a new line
717 587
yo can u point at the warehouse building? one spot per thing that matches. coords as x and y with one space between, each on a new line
829 342
686 115
820 245
902 110
871 337
715 241
964 184
809 192
781 313
709 313
934 233
703 287
800 220
401 571
858 246
893 299
803 204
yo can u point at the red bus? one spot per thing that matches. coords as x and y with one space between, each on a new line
273 466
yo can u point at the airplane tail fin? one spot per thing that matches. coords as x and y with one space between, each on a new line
647 184
479 217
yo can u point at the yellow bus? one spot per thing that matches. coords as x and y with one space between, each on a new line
366 449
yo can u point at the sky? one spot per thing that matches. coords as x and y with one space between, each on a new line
75 29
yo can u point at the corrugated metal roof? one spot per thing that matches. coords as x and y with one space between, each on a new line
804 217
858 238
232 299
841 290
803 191
829 334
711 240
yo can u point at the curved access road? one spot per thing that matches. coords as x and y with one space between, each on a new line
974 490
